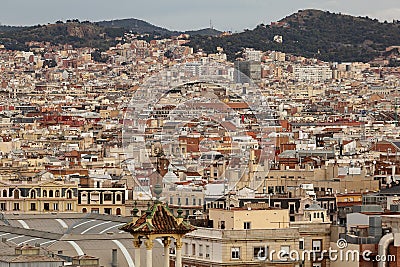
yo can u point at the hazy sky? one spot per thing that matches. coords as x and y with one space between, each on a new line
234 15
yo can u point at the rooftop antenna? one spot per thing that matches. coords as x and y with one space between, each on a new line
211 26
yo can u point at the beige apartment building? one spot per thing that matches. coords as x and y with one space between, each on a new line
325 178
254 236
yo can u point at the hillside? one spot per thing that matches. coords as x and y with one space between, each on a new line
4 28
99 35
312 33
136 26
76 33
140 26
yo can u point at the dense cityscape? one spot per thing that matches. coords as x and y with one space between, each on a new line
153 153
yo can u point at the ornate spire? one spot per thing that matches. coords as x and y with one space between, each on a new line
148 211
135 210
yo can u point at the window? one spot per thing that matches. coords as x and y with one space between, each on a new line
46 206
171 200
200 250
55 206
69 194
235 253
107 197
207 251
16 206
118 197
95 197
284 251
301 243
221 225
194 202
291 208
3 206
44 193
107 211
57 193
186 250
260 252
4 193
187 201
69 206
51 193
247 225
199 201
194 249
33 206
33 193
94 210
316 245
16 194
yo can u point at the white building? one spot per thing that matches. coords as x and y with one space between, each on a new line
312 73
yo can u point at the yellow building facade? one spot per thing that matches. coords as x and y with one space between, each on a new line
38 196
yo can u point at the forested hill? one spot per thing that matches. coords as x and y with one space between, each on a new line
99 35
312 33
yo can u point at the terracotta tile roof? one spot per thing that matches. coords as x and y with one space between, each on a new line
159 220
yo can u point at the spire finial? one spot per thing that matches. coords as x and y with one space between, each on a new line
135 209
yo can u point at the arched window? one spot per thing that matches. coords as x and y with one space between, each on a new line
118 197
16 193
51 193
44 193
84 210
69 194
118 211
33 193
4 192
57 193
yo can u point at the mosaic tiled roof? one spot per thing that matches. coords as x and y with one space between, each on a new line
157 220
